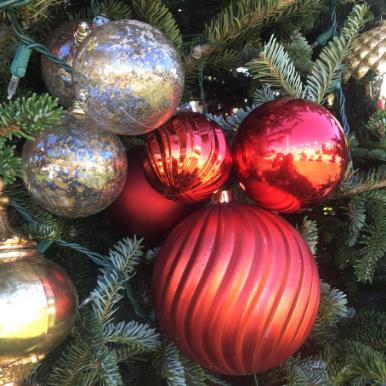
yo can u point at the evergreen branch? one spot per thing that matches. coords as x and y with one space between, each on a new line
299 52
352 142
309 232
21 117
157 15
41 232
371 180
214 379
232 122
333 303
106 296
229 60
115 9
373 249
152 254
377 123
234 20
362 155
356 215
107 369
126 255
168 364
262 95
71 365
365 362
194 373
10 167
325 72
274 67
140 336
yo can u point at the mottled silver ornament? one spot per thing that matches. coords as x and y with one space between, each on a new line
74 169
57 80
128 77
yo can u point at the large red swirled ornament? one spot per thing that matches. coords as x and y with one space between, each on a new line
289 154
188 158
236 288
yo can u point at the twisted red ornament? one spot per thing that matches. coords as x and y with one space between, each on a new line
188 158
236 288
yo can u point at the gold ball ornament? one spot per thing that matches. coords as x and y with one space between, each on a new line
74 169
128 77
368 54
38 302
63 43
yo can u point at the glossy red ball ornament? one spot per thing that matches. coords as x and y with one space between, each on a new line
236 288
289 154
188 158
141 210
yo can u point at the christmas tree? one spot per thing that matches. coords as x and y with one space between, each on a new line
235 57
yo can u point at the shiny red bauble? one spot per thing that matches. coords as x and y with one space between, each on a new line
289 154
188 158
140 210
236 288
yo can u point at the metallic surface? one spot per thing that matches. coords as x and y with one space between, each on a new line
57 80
188 158
236 288
289 155
128 77
38 302
141 210
74 169
369 53
12 374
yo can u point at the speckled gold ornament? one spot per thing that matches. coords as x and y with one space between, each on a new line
128 77
369 53
74 169
57 80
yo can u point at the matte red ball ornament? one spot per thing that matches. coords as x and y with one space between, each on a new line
289 154
141 210
188 158
236 288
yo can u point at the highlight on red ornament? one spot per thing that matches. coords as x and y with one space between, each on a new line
289 155
236 287
188 158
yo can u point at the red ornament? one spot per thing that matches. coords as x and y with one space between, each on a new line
236 288
188 158
140 210
289 154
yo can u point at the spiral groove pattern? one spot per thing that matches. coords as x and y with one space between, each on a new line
188 158
236 288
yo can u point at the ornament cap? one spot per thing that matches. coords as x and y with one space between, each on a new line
13 245
81 33
76 108
222 197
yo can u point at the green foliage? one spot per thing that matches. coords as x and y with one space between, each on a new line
23 116
299 52
332 307
373 248
365 362
309 232
18 119
115 9
157 15
327 68
274 67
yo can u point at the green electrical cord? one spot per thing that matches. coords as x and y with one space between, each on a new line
30 44
9 5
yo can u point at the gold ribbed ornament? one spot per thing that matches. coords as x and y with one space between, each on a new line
369 53
38 302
